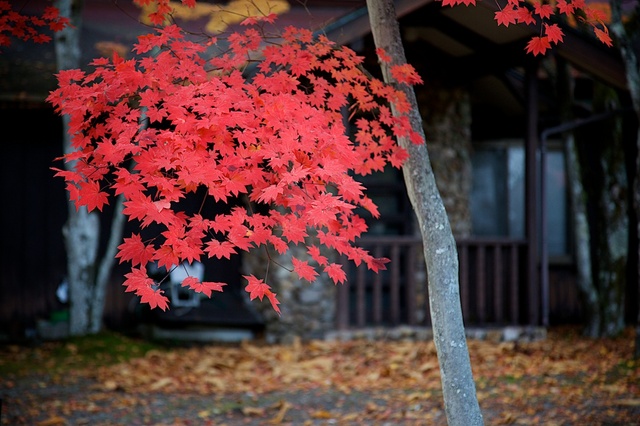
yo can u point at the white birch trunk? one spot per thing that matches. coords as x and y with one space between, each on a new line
87 279
458 387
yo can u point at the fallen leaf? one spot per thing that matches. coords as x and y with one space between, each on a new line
110 385
284 407
159 384
628 402
53 421
253 411
322 414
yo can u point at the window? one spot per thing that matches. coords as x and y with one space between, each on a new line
498 193
556 203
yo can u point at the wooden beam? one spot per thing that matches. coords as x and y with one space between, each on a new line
599 61
356 24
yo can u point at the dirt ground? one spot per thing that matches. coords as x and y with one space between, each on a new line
563 380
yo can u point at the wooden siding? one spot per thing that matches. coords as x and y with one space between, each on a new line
32 214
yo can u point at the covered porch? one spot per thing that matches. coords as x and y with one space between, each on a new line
505 277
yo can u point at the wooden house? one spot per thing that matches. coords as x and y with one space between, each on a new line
516 258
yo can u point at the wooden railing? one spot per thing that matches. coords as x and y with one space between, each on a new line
493 284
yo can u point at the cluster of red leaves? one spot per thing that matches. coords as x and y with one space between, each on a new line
539 12
24 27
179 119
162 9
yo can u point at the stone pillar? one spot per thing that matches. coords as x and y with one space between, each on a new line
446 115
307 309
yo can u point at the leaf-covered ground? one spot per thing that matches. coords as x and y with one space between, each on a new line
112 380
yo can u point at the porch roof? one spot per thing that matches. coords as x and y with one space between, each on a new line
468 37
471 36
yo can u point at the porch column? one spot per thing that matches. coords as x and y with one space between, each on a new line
532 182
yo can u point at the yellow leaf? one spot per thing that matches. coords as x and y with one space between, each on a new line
322 414
110 385
253 411
53 421
284 407
159 384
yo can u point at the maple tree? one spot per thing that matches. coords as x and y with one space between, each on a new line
208 126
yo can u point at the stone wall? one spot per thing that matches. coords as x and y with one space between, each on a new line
307 309
446 115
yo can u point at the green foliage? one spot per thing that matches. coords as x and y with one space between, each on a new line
76 353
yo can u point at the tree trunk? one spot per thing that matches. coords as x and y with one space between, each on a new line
627 42
605 182
613 241
582 238
578 200
461 404
87 279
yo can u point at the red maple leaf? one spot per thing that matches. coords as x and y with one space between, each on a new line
304 270
314 252
220 249
554 32
524 16
136 279
257 288
336 273
565 7
154 297
91 195
603 35
538 45
377 264
406 74
204 287
508 15
383 55
543 10
135 250
458 2
294 229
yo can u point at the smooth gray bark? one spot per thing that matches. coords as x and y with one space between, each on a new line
458 387
582 235
628 42
86 277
